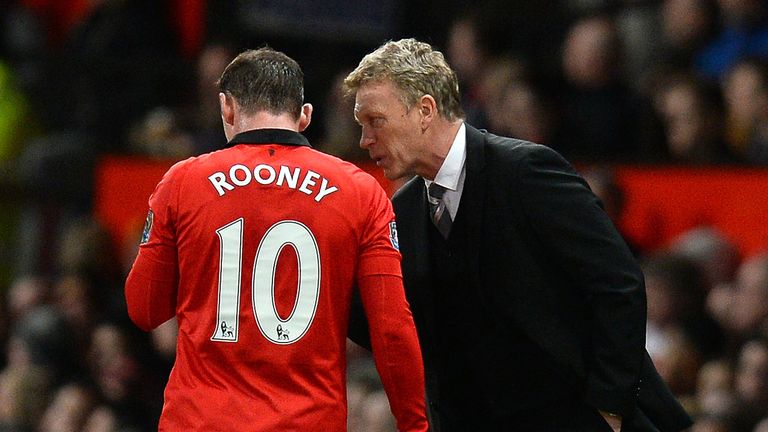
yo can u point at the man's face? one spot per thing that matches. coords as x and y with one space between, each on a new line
391 133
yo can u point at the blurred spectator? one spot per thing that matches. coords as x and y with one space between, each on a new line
751 383
160 135
24 392
55 172
712 424
356 394
714 389
715 255
59 17
489 92
85 253
376 415
762 426
366 411
124 375
744 33
745 88
104 419
686 25
523 110
752 374
679 333
111 363
640 34
341 132
74 296
25 294
599 112
469 57
68 410
124 60
42 338
742 307
205 124
692 112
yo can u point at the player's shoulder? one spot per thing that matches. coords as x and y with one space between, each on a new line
344 169
198 162
179 169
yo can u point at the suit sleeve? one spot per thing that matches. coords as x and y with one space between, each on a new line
151 286
569 222
392 331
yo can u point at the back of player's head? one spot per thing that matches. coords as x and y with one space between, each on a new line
264 80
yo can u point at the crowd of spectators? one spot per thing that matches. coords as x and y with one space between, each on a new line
603 82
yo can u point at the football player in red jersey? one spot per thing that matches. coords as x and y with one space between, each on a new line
256 249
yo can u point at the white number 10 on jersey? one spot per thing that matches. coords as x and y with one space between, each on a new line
275 329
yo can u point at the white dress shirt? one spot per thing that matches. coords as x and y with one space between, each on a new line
452 172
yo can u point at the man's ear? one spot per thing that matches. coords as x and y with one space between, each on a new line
227 105
427 107
306 116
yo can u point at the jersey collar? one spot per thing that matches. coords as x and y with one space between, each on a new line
269 136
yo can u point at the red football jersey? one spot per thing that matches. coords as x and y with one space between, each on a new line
256 249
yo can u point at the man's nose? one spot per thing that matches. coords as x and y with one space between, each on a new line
365 141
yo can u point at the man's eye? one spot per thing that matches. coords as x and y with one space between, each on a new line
378 122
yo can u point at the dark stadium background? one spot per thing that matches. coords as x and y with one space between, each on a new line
661 104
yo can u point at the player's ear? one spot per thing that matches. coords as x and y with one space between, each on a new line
306 116
227 105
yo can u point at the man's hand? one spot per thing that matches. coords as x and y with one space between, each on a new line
613 420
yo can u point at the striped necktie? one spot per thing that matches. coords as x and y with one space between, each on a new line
441 217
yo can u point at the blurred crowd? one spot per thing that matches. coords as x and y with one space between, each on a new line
603 82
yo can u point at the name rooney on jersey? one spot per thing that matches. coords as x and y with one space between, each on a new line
241 175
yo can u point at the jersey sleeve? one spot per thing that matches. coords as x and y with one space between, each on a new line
151 286
379 249
393 335
396 350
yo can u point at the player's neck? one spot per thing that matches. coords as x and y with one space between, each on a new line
265 120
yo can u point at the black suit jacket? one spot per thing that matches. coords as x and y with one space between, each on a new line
547 259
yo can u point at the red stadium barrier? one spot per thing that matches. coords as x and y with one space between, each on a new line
661 202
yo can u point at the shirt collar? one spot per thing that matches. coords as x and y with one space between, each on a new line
269 136
449 174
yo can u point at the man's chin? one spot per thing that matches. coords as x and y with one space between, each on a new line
390 174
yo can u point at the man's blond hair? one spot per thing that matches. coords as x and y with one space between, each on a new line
416 69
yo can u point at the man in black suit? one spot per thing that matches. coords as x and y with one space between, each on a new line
529 306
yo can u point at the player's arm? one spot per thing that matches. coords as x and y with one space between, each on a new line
152 284
392 332
395 348
150 291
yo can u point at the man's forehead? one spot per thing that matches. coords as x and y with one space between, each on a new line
375 96
367 102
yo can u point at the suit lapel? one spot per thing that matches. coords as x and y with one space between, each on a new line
473 198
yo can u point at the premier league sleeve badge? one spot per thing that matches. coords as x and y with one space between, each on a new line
393 235
147 227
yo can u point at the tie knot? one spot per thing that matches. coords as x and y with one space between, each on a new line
436 191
